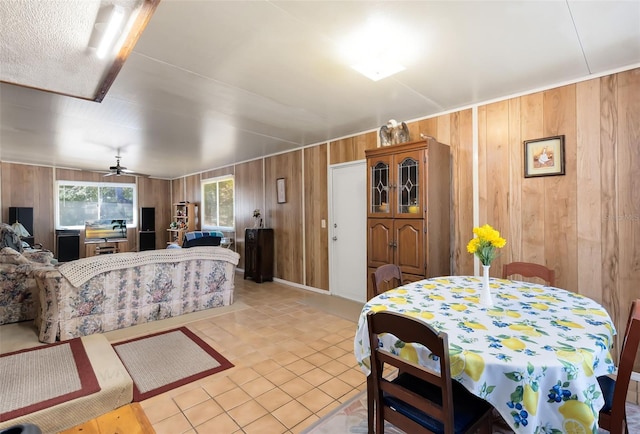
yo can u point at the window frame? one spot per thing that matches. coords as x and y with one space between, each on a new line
216 180
61 182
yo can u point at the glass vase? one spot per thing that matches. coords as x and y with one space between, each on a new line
485 292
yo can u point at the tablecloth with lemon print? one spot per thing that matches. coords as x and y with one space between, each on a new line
534 355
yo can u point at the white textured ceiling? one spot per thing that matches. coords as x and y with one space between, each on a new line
211 83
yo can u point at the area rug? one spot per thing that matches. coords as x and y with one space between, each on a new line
166 360
351 417
39 378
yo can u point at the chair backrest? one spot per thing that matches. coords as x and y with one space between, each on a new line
409 330
529 269
625 368
386 277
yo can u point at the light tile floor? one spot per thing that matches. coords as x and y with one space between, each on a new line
293 362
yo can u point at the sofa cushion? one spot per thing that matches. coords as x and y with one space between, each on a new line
10 256
9 238
39 256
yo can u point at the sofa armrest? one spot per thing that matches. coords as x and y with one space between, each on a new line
49 281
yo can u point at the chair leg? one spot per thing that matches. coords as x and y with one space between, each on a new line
488 426
379 420
370 405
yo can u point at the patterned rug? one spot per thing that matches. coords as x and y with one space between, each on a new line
351 417
41 377
166 360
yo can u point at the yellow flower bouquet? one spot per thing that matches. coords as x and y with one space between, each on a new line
485 244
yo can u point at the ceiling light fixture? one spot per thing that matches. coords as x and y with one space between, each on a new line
114 26
378 69
375 48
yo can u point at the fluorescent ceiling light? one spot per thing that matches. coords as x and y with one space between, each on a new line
62 39
377 70
112 31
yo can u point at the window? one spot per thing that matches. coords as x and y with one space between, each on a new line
218 203
78 202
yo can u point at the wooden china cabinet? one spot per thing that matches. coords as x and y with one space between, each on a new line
408 216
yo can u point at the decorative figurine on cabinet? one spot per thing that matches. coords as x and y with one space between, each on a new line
393 133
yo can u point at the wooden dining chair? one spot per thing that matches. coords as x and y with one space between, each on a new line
419 400
529 269
386 277
613 415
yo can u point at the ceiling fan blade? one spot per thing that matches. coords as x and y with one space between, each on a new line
125 173
119 170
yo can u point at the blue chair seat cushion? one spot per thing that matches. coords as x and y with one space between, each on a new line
202 238
467 408
608 386
201 234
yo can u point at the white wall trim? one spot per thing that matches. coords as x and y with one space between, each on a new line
475 180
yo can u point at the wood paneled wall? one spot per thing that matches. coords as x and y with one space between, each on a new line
456 130
585 224
286 218
30 186
352 148
178 192
249 184
316 210
156 193
33 186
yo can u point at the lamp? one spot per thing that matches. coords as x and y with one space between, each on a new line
20 230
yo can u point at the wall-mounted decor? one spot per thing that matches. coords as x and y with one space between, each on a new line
544 157
393 133
281 190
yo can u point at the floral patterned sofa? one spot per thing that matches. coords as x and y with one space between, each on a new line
18 288
109 292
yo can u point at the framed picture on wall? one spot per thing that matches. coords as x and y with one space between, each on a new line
281 190
544 157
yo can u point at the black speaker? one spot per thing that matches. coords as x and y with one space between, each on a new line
146 241
67 245
147 219
22 215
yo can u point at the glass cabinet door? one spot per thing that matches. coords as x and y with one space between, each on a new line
380 188
408 186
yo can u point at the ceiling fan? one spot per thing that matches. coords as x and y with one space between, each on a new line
118 170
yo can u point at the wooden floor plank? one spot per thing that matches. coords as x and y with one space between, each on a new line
129 419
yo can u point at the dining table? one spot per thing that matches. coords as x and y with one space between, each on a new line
534 354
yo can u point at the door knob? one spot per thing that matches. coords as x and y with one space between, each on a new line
335 238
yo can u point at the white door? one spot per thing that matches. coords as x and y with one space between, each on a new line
348 230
